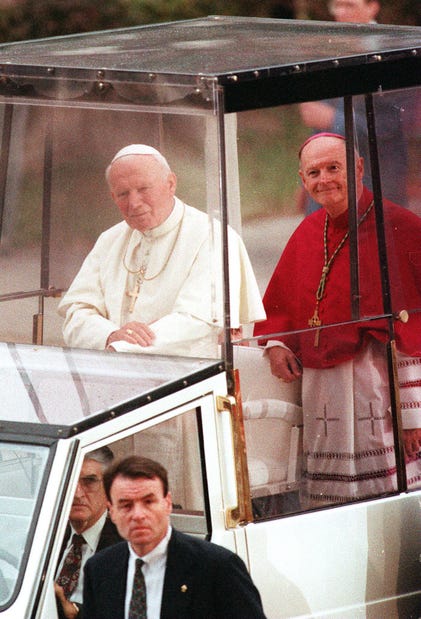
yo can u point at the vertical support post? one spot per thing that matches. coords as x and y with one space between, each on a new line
4 158
352 209
228 354
38 319
387 302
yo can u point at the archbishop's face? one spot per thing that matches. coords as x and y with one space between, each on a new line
324 173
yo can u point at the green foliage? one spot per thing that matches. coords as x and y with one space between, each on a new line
152 11
267 147
33 19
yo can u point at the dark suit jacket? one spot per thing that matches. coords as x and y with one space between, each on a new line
109 536
202 581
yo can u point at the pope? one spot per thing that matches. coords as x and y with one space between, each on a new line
151 283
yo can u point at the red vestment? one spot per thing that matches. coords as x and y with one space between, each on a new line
290 298
348 442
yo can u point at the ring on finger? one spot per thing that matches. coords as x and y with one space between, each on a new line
129 331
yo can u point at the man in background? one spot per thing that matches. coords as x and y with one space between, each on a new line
355 11
392 111
88 531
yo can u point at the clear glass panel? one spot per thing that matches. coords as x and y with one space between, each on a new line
174 444
63 386
57 203
21 472
333 425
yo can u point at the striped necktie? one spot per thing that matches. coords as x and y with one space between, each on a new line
137 609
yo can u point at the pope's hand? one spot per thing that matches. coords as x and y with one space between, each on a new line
284 364
133 332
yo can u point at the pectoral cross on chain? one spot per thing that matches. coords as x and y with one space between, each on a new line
134 294
315 321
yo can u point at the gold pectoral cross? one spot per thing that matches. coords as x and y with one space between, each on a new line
134 295
315 321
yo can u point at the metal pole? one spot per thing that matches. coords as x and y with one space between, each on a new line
387 303
227 347
4 158
38 319
352 209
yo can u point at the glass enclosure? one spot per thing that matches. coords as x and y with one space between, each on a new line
175 443
229 103
63 386
366 322
57 202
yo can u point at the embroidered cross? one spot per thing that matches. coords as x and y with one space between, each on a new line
372 418
326 419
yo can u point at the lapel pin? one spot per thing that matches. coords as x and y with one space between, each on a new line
183 588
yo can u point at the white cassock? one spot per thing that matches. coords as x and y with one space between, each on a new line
180 296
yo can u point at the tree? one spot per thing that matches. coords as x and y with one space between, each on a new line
33 19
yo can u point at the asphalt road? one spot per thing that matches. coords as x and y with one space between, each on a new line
265 239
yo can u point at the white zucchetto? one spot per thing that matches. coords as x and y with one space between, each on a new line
140 149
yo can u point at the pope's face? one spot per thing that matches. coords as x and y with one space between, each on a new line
143 190
323 172
355 11
140 511
89 501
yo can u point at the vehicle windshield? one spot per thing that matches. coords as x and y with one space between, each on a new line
22 468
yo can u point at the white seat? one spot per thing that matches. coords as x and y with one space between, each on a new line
272 416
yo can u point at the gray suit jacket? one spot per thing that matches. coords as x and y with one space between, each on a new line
202 581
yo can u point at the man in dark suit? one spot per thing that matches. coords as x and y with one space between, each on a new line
161 573
88 518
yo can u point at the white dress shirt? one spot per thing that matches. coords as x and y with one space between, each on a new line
154 573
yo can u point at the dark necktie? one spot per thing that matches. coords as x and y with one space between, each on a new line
69 574
137 609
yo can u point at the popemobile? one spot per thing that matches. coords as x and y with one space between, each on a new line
223 99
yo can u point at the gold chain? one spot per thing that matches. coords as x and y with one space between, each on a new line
315 320
142 269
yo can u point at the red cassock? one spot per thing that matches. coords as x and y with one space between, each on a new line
290 298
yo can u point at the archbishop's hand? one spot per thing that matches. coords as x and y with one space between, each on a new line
133 332
284 364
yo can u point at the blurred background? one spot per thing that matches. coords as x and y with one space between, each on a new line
30 19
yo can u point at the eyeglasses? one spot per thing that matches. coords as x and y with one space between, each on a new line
90 482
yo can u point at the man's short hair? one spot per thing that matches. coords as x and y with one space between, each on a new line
103 455
135 467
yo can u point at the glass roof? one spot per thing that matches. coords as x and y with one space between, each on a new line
212 46
64 386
